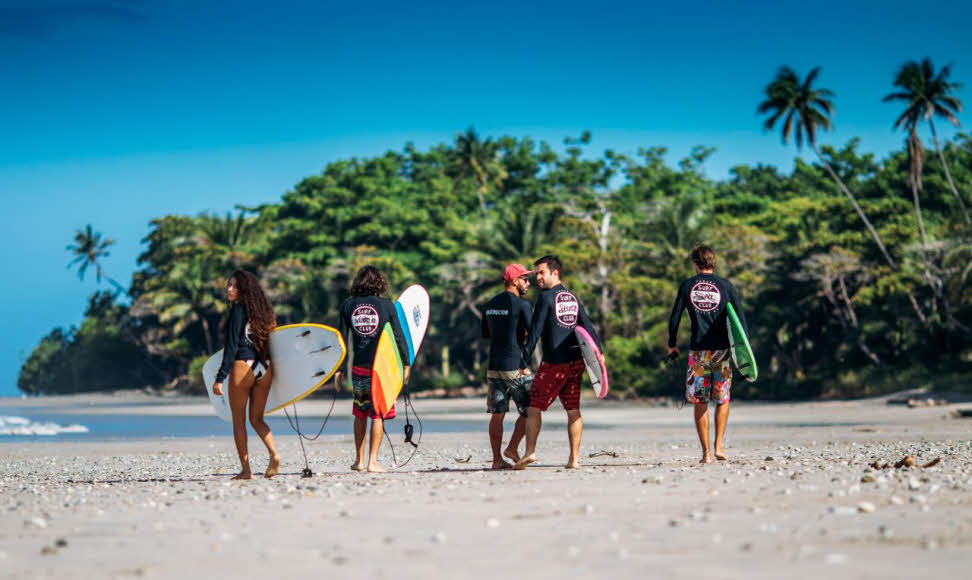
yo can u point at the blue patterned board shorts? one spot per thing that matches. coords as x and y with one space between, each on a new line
506 386
709 376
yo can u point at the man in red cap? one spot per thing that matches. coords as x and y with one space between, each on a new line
506 320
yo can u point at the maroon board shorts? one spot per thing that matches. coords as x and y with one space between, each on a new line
557 380
362 405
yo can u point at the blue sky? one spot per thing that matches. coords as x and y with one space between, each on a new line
116 112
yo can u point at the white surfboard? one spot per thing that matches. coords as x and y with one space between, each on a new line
594 361
302 357
413 314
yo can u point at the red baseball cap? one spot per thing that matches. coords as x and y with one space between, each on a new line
514 271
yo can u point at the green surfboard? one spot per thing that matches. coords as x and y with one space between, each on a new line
742 355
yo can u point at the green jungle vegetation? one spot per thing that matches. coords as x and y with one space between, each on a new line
854 271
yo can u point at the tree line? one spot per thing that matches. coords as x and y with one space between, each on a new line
854 270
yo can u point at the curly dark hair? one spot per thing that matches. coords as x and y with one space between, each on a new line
259 313
369 281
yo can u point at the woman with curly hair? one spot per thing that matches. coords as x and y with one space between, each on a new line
246 362
365 314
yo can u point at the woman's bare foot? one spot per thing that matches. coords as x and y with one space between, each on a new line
706 458
374 467
572 464
273 468
358 466
522 464
512 455
497 465
246 474
721 455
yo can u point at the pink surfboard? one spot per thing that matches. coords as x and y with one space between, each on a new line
594 361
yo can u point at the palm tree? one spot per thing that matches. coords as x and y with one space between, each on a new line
476 159
928 95
89 249
806 110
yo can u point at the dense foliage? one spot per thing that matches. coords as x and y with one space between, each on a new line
829 315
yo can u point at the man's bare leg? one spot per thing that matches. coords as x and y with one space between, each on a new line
721 418
575 427
702 426
519 430
496 440
360 428
376 432
533 423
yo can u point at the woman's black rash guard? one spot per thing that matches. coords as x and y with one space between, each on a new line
237 345
555 316
706 297
366 316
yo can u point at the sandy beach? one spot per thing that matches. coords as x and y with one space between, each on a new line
796 499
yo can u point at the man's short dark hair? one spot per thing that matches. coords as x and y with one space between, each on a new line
553 263
703 257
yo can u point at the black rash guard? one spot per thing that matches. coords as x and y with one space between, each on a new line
365 316
705 296
506 321
556 315
237 344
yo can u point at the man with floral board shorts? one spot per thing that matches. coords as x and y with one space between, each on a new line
556 315
709 376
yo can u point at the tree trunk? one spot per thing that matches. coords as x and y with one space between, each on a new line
948 174
857 207
870 228
921 222
445 360
206 333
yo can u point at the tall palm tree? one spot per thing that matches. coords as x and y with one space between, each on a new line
928 95
916 160
806 110
477 159
88 250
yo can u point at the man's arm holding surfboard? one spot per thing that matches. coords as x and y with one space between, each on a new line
737 306
585 321
399 334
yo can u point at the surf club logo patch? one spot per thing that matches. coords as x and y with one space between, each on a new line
566 309
364 320
416 315
705 296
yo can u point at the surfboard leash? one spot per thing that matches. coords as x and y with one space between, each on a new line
300 436
409 430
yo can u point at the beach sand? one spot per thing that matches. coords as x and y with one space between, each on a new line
796 500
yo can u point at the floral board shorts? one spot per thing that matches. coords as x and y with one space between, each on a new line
505 386
709 376
557 380
363 407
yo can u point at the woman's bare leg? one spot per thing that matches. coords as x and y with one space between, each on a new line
240 383
258 403
376 432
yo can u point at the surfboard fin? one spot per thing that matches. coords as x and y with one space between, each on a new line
320 349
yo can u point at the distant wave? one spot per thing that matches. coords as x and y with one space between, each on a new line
24 426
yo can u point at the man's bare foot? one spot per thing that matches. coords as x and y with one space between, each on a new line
497 465
572 464
273 468
243 475
358 466
522 463
375 468
706 458
721 455
512 455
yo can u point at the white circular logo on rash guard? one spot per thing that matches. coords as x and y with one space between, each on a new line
705 296
364 320
566 309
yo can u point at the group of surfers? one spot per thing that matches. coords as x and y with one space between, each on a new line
513 328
